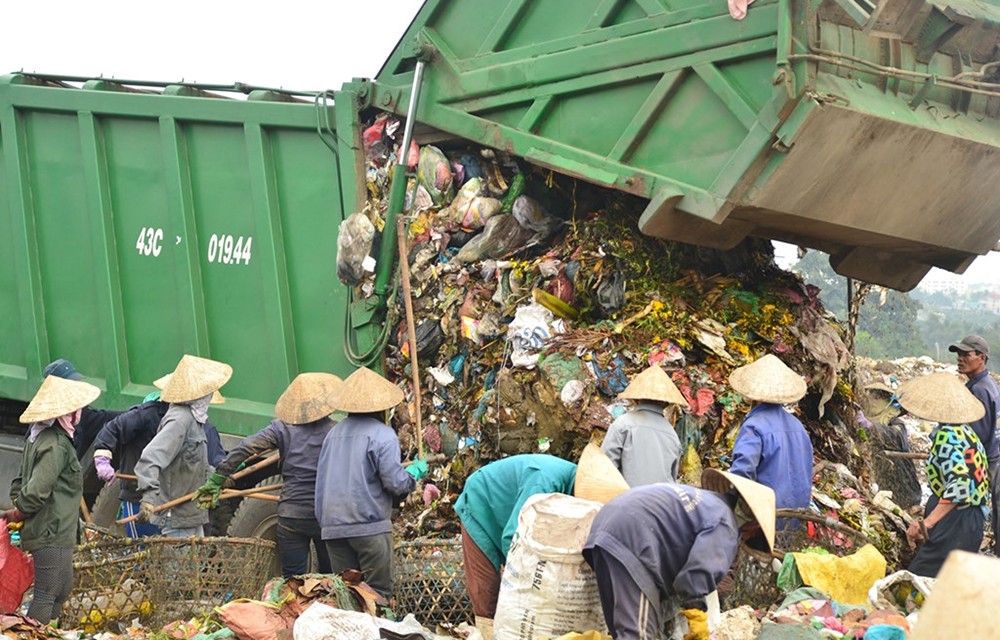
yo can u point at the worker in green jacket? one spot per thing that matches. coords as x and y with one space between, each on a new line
46 494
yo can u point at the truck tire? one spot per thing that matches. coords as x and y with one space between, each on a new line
258 519
105 509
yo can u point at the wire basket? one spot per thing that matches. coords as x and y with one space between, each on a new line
109 586
156 580
430 581
754 579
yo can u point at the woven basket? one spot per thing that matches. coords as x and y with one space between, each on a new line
157 580
798 529
430 581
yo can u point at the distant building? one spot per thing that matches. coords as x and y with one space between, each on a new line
943 285
990 301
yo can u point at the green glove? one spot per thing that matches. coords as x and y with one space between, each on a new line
208 493
417 469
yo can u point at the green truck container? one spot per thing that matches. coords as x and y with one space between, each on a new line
142 220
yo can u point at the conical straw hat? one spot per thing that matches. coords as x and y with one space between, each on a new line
759 498
940 397
195 378
159 383
57 397
961 605
365 391
597 478
653 384
311 396
768 379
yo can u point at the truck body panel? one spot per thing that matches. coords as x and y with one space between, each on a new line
143 224
773 125
142 227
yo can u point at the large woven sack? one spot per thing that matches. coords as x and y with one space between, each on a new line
548 589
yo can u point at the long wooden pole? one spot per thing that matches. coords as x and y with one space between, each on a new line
190 496
404 267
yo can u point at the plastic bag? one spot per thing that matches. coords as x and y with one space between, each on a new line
253 620
611 292
354 243
531 215
527 334
434 174
502 235
903 591
323 622
18 571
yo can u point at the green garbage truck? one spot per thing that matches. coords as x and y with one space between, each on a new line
143 220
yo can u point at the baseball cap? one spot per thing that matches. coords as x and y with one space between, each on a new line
971 343
62 368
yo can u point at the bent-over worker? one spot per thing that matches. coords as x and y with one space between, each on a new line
91 419
488 509
672 541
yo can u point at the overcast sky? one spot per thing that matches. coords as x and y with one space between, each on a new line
294 44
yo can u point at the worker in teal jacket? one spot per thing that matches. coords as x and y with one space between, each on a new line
488 508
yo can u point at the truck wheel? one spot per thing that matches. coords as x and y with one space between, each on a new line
105 510
258 519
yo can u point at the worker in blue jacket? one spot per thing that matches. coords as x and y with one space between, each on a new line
360 476
121 441
772 447
488 509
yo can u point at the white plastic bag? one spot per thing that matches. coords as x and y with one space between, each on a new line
547 588
354 243
323 622
528 332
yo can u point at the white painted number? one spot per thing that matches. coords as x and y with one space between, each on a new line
226 249
149 240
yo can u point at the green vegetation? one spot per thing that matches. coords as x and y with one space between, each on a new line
893 324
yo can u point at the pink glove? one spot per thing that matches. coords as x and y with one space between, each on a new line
431 493
104 469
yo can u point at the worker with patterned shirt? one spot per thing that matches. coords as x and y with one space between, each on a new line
957 471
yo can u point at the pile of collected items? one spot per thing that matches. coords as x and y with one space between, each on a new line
536 299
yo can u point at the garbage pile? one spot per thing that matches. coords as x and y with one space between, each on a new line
536 299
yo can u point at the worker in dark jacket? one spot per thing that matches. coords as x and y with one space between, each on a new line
359 478
302 420
973 353
91 420
122 441
175 462
671 542
47 492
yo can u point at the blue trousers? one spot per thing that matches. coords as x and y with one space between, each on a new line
134 529
294 537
